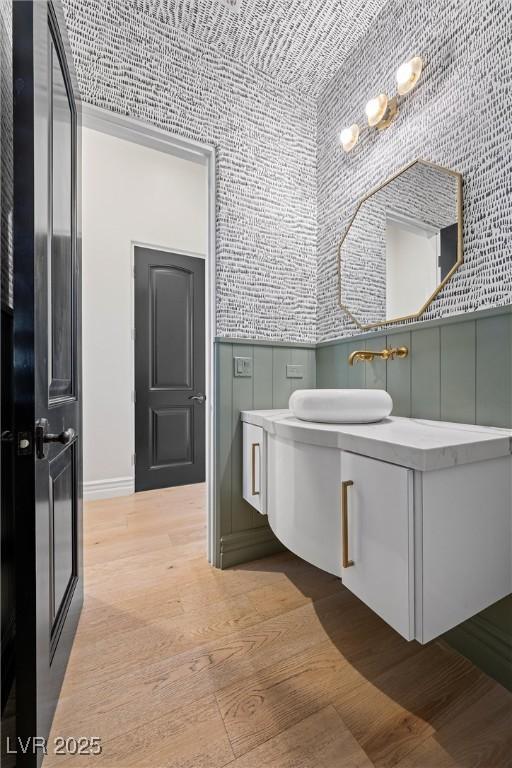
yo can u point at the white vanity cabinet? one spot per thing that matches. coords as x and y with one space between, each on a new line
426 550
415 516
377 543
463 543
254 465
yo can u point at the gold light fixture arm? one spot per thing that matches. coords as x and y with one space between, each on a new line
368 355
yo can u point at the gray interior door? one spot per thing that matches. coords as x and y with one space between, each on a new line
169 369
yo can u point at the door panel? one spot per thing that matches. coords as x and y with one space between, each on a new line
62 507
169 369
171 343
47 363
173 436
60 264
379 509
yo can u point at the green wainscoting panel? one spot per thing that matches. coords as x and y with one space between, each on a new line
306 358
332 367
244 534
262 396
425 361
241 511
223 433
458 372
494 371
281 385
326 374
399 375
376 371
356 376
262 377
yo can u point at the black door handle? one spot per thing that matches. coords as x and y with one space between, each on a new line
43 436
64 437
200 398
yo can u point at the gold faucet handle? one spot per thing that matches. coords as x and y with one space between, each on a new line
368 355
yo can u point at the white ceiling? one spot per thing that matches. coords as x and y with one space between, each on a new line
300 42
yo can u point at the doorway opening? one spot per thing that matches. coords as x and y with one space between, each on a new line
148 255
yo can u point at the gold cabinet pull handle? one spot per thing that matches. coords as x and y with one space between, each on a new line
346 562
253 464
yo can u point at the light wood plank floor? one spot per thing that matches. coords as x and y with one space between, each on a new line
268 665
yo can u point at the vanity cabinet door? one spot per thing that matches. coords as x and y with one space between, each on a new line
376 501
465 555
254 466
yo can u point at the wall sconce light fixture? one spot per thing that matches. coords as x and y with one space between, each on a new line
349 137
381 110
408 74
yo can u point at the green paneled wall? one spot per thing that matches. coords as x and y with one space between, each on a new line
244 534
458 369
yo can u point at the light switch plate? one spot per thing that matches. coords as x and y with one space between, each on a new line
243 366
294 371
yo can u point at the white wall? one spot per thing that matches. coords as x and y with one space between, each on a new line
131 194
412 272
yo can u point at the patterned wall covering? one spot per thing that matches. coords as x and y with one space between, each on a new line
246 80
6 169
265 135
298 42
458 116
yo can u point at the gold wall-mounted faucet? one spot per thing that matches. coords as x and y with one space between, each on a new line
367 355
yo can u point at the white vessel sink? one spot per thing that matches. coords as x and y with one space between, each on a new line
341 406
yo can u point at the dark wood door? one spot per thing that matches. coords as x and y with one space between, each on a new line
169 369
47 367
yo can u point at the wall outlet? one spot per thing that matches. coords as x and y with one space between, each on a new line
294 371
243 366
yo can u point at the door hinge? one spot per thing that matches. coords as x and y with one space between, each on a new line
134 396
133 334
134 455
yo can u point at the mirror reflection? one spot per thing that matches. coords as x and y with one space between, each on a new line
402 245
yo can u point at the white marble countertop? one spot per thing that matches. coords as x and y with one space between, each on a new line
414 443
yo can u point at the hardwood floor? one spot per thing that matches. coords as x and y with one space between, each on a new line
272 664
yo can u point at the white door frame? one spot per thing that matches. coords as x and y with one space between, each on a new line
147 135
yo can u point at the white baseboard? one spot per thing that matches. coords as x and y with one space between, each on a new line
107 489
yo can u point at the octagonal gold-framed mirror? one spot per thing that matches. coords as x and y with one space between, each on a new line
402 245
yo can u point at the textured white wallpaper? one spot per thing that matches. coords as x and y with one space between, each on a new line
247 82
265 136
458 116
299 42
